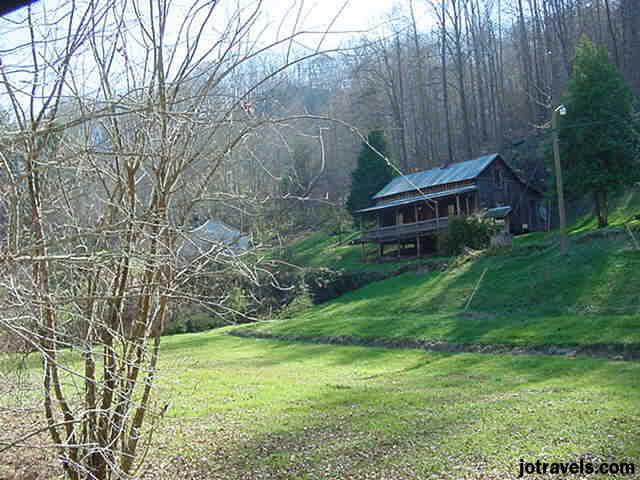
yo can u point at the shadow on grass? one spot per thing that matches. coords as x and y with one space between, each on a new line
595 279
429 413
278 352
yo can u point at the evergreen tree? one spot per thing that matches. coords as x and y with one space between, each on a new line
372 172
598 137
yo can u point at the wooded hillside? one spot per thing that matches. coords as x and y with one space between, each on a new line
462 78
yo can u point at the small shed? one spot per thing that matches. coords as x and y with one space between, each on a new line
500 214
214 236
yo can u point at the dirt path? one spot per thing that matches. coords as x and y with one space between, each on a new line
613 351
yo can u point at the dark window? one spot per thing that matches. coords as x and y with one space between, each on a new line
498 178
534 212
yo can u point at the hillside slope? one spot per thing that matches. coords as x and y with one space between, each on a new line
530 295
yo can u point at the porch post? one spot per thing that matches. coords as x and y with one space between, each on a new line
458 204
418 246
364 257
548 216
467 201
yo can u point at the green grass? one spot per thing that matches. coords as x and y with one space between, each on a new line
247 408
322 250
528 297
623 210
244 408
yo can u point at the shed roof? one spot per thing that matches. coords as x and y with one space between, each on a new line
405 201
454 172
499 212
214 234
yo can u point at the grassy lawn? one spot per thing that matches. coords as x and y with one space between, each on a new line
322 250
528 296
244 408
248 408
623 210
532 296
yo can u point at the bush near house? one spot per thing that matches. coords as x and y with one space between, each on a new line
470 232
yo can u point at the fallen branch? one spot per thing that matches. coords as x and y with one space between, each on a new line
466 307
633 237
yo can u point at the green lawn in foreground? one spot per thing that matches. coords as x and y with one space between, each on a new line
245 408
529 297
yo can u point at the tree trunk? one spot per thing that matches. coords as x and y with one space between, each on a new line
459 61
526 62
445 89
612 32
601 208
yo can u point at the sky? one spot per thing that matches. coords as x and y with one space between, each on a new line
355 17
348 18
279 18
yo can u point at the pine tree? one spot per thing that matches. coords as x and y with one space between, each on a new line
372 172
598 136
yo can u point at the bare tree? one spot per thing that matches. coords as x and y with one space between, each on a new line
120 135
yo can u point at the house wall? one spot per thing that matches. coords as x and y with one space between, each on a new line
424 191
525 202
427 210
509 190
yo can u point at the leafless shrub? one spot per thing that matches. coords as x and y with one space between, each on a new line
116 139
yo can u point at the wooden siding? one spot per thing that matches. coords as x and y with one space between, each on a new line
425 191
403 222
524 201
404 231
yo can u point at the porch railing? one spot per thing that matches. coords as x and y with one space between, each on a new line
405 230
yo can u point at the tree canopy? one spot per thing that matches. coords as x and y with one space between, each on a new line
372 171
598 134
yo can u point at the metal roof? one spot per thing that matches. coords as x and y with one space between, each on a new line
420 198
454 172
498 212
214 234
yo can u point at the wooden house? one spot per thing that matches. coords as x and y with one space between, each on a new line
415 206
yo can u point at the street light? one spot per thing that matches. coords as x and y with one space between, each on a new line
562 110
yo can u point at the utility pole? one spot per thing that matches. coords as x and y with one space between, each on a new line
560 109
